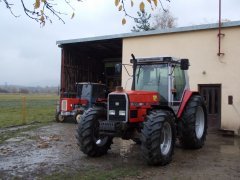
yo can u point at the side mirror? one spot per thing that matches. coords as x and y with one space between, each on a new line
184 64
118 68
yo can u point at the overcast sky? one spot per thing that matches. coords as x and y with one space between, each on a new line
29 54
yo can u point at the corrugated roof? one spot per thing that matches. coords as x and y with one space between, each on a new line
148 33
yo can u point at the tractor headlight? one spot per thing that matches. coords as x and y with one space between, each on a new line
112 112
122 113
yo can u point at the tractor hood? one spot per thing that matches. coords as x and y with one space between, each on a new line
149 97
143 96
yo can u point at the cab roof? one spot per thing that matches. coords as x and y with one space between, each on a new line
163 59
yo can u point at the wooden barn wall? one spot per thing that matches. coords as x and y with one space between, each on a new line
78 68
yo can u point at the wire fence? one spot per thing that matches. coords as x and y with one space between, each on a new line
18 109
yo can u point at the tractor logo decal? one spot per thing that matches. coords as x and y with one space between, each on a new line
116 103
155 98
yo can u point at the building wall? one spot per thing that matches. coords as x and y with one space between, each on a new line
201 48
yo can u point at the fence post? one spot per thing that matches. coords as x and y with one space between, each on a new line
23 110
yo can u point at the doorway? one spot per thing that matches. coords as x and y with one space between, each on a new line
212 96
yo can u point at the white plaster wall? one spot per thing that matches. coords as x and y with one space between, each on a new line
201 48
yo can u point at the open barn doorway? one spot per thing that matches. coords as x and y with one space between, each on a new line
90 61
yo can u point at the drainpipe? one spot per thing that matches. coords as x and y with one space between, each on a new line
220 35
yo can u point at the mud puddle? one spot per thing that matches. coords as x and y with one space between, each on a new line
53 149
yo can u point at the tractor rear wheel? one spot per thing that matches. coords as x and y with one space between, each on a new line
194 124
158 138
90 141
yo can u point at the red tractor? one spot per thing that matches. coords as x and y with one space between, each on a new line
88 94
159 108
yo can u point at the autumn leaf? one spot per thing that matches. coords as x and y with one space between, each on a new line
124 21
120 8
132 3
142 7
155 2
73 14
117 2
37 4
42 19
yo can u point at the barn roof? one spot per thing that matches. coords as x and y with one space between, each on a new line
119 37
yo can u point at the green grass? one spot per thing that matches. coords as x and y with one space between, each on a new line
39 108
100 174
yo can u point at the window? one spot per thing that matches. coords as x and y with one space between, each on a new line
153 78
179 83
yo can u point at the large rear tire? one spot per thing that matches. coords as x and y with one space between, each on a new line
158 138
89 140
194 123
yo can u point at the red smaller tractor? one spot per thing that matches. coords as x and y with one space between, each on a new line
87 95
159 109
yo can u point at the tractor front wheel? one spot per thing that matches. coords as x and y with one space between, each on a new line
194 124
158 138
90 141
59 117
77 117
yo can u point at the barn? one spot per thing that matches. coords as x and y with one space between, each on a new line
213 52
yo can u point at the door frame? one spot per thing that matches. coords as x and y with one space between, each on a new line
220 98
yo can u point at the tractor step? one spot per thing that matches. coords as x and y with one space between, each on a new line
110 128
107 126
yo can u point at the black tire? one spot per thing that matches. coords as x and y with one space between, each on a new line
154 135
137 141
88 133
59 117
193 134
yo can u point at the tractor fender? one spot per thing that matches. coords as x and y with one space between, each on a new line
187 95
167 108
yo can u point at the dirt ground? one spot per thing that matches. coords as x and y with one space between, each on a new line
51 152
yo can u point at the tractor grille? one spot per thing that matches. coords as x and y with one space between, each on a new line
118 103
64 105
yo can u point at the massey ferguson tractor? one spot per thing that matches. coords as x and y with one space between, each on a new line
87 95
159 109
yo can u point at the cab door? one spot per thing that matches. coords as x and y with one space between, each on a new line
178 85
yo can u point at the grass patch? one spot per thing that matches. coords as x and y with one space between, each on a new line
39 108
15 133
100 174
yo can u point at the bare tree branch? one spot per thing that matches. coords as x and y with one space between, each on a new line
122 2
41 12
162 5
124 10
8 6
42 9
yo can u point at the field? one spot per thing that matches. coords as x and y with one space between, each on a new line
39 108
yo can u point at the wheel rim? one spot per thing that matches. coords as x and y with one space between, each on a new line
60 117
78 118
166 138
99 140
200 122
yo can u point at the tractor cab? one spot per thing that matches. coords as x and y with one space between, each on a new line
91 93
87 94
165 75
